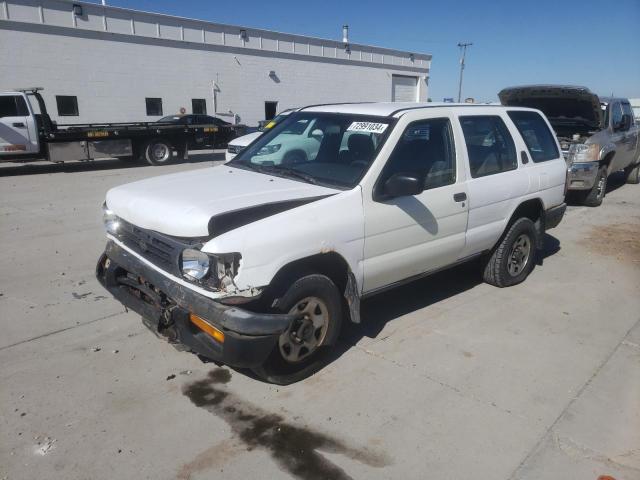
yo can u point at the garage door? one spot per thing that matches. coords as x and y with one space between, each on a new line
404 89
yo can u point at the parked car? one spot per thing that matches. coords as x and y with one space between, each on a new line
257 264
239 143
225 131
598 136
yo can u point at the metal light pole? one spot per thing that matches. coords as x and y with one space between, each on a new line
463 46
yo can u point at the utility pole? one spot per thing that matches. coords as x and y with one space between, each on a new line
463 46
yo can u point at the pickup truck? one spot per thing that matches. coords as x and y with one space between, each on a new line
598 136
258 262
27 133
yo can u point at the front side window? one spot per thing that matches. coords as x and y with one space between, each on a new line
426 151
616 114
626 109
489 145
325 148
154 106
536 134
67 105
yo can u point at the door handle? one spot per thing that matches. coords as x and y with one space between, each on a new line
18 124
524 157
459 197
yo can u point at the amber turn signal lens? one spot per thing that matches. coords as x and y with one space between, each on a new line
206 327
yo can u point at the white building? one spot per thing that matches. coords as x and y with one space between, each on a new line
106 64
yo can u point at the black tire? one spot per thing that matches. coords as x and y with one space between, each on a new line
632 174
158 152
499 269
296 156
594 197
282 370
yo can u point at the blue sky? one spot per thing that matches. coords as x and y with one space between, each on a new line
590 42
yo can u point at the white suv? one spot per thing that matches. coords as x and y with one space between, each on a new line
257 264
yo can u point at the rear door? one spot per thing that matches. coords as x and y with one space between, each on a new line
496 184
18 134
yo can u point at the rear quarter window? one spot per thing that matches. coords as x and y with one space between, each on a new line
536 134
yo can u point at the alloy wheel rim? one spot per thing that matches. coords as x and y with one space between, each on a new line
519 255
307 332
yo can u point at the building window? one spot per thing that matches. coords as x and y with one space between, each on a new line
67 105
270 110
154 106
199 106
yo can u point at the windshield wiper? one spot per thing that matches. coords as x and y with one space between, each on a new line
288 172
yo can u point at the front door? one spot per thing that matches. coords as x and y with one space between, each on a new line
406 236
17 129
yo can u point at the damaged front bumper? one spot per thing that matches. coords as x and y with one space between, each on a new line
165 307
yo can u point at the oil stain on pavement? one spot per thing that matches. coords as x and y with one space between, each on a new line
295 449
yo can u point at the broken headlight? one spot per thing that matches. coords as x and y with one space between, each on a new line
214 272
110 219
194 264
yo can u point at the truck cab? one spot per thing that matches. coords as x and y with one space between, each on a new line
19 136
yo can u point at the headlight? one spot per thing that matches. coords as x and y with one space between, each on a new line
110 220
580 152
269 149
194 264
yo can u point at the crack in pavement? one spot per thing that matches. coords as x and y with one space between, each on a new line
454 389
561 415
44 335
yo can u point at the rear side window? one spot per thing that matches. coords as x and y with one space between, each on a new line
13 106
536 134
425 150
489 145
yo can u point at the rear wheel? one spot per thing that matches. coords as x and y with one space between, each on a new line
158 152
514 257
594 197
303 348
633 174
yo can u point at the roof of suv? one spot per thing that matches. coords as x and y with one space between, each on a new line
386 109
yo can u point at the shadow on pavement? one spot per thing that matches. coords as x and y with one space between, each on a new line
381 309
42 167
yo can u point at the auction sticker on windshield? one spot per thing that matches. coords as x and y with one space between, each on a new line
369 127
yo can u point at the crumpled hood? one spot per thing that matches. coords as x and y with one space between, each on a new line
561 104
182 204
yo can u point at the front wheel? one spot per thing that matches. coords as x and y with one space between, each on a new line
158 152
513 257
303 348
594 197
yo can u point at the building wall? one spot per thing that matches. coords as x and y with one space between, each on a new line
115 58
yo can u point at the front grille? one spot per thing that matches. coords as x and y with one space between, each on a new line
159 249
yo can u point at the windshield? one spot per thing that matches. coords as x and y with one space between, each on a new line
323 148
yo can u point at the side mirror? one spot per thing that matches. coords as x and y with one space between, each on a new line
317 133
403 185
